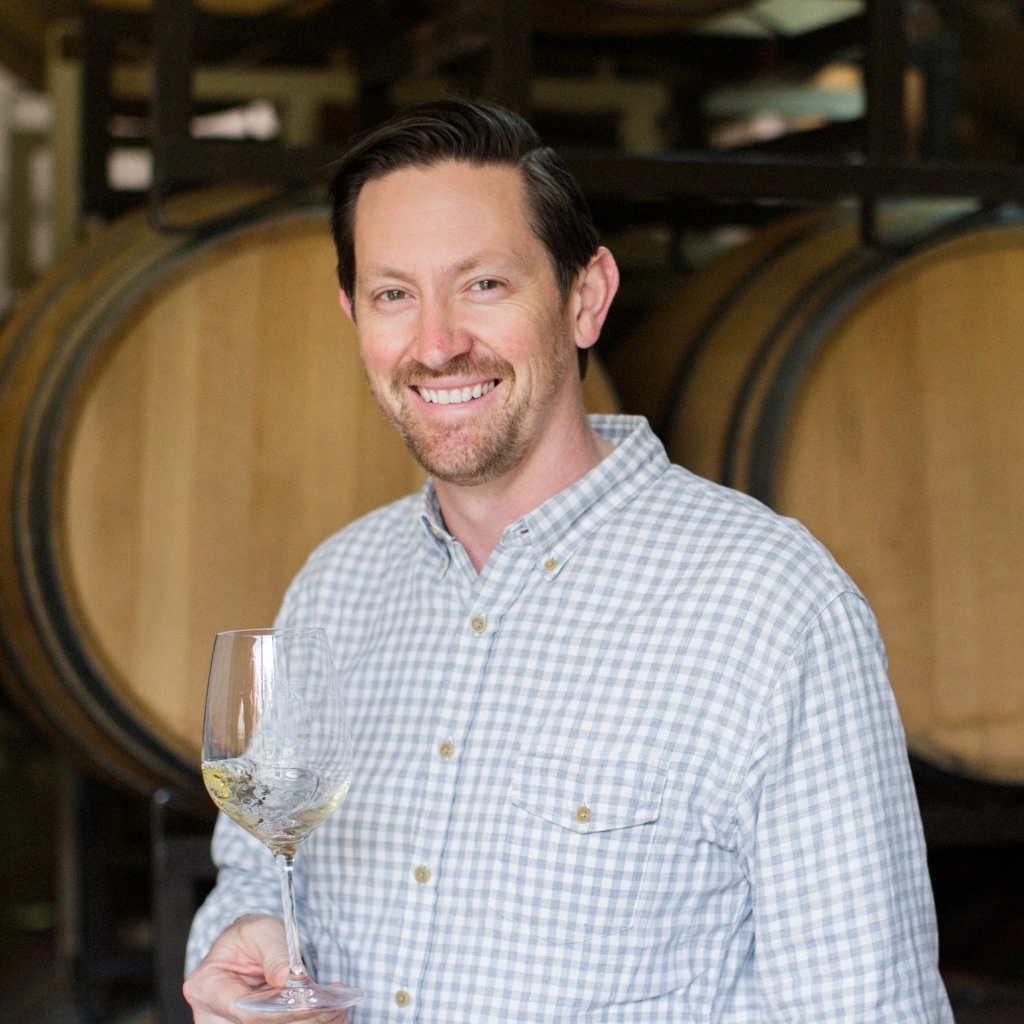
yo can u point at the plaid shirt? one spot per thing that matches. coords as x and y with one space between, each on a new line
646 766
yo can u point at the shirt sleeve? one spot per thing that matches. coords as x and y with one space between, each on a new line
844 918
247 883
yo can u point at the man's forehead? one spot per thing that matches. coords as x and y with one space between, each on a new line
502 180
485 202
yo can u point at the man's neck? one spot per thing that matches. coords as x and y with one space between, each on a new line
477 514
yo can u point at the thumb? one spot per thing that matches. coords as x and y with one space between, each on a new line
264 939
276 967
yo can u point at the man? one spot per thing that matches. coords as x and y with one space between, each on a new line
625 746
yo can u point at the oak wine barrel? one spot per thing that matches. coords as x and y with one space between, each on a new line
185 417
874 392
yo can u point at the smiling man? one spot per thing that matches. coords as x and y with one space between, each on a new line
625 746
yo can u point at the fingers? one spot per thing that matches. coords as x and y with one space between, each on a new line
250 955
212 998
212 993
244 958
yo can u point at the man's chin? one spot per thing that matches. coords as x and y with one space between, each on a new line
456 461
466 453
459 470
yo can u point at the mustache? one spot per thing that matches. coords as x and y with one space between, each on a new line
464 365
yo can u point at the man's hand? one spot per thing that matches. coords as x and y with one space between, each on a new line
248 955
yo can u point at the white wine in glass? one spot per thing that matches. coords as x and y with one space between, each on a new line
278 760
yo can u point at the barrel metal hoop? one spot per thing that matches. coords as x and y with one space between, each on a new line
683 373
20 344
847 264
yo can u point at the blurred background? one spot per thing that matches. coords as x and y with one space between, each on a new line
816 206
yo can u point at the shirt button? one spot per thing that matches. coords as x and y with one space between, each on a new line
550 564
422 875
446 749
402 997
583 814
478 623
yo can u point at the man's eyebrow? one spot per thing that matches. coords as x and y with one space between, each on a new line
383 270
500 259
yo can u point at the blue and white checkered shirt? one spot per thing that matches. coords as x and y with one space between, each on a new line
645 767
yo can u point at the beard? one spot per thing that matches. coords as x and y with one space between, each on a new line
481 449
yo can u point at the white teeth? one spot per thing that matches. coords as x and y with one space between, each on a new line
457 396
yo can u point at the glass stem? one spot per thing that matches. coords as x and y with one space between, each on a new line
297 969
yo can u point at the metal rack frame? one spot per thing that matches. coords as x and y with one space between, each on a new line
880 172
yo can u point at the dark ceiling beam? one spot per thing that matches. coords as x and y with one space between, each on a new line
884 66
788 176
23 42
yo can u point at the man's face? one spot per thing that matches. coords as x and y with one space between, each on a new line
467 343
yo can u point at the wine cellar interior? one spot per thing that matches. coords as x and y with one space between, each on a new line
716 141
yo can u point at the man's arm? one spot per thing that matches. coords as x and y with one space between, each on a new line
247 883
844 916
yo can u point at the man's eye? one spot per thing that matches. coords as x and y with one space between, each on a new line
485 285
392 294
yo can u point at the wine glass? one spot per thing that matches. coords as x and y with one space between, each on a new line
277 759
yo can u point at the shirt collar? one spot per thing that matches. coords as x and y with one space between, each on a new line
432 522
555 529
558 526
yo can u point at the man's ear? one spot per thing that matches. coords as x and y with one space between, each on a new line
346 304
594 291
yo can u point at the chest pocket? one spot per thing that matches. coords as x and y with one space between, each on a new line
574 844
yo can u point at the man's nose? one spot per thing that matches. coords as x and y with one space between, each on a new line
439 337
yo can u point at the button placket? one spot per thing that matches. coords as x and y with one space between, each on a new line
481 602
469 658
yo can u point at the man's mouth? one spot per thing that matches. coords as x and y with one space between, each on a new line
454 396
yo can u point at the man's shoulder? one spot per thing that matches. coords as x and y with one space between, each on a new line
355 568
714 529
369 538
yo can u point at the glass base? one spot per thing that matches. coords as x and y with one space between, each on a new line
299 996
